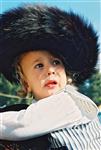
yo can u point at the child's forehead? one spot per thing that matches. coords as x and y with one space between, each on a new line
36 53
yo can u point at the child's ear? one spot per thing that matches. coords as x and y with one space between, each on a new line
27 87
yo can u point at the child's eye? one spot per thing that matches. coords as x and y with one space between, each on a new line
38 66
57 62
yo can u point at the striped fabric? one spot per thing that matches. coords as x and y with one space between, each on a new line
82 137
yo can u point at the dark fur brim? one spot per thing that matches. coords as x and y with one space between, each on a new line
48 28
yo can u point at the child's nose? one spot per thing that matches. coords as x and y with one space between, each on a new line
51 70
50 73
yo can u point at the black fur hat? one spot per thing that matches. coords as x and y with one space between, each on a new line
36 27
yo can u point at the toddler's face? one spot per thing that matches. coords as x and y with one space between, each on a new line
43 73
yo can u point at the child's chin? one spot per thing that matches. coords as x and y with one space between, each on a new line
52 91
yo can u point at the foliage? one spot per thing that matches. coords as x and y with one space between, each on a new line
92 88
8 93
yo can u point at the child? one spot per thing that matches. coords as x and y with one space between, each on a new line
48 51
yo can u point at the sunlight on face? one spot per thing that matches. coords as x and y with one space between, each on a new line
43 73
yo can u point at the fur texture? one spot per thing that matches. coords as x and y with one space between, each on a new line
48 28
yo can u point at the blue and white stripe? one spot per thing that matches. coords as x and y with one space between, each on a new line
81 137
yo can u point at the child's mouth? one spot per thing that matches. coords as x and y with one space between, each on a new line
51 84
